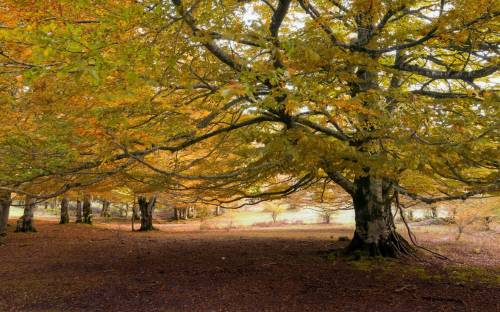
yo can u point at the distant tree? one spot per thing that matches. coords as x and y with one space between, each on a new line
434 213
275 209
78 211
217 210
464 214
105 211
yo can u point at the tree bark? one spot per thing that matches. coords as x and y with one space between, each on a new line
126 210
327 218
64 211
218 211
87 210
147 208
375 233
5 201
25 223
135 212
176 214
105 209
78 211
274 215
434 214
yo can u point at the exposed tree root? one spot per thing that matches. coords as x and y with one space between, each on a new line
411 235
394 246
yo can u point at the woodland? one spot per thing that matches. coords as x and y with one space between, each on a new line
129 127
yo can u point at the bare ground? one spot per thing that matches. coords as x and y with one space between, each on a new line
91 268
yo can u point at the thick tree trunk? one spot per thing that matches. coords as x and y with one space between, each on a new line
192 212
147 209
78 211
176 214
87 210
105 209
25 223
64 211
375 233
5 201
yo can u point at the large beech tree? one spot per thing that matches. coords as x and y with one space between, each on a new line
220 102
382 97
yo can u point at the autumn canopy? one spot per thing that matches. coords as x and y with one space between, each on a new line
235 102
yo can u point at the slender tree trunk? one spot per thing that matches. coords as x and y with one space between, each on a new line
78 211
25 223
5 201
375 233
87 210
126 210
434 214
135 212
64 211
327 218
147 209
53 203
460 231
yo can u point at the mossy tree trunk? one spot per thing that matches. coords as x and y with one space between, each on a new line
87 210
5 201
147 209
25 223
375 233
78 211
64 211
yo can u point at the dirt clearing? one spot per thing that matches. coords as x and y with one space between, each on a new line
88 268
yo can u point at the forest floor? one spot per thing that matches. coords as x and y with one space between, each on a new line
108 268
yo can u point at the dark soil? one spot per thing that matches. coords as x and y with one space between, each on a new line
84 268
